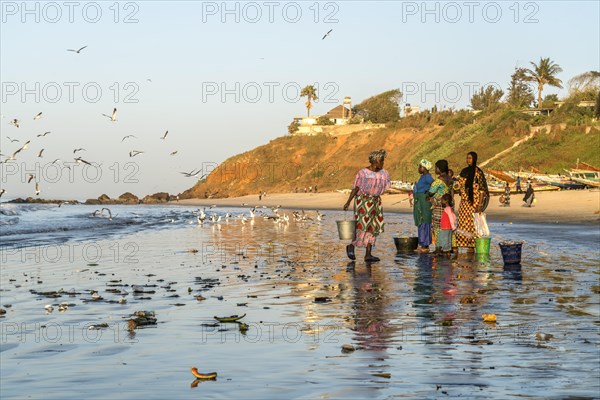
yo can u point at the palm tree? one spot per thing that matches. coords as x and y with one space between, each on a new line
311 95
544 73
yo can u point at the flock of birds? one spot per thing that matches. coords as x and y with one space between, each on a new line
298 216
112 118
80 160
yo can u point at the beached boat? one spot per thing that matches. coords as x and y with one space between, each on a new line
586 177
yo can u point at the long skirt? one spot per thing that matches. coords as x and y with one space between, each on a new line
465 223
422 218
368 213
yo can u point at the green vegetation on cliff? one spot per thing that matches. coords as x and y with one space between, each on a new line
330 162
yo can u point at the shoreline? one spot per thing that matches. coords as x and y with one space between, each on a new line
567 207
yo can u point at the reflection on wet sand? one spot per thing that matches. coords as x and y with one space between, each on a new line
416 317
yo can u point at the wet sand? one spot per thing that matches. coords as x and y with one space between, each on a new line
575 207
414 317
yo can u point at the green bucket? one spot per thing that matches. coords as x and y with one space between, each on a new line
482 245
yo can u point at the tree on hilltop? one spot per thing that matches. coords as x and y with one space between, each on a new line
310 92
487 98
542 74
520 94
585 85
381 108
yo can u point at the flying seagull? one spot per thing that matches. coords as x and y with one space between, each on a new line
38 116
55 161
134 153
327 34
109 213
165 135
78 50
37 189
81 160
40 153
12 140
14 122
128 136
80 149
191 173
2 192
43 134
173 153
26 145
31 176
113 116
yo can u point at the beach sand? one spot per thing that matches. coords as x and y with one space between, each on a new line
576 207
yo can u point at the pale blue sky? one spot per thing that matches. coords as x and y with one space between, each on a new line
185 50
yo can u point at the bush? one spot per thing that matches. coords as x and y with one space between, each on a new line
323 120
293 127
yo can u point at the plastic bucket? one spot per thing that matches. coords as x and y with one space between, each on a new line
511 253
482 245
346 229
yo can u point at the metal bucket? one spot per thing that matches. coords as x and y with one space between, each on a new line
406 244
346 229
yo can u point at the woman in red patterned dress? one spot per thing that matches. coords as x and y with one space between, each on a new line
369 184
473 190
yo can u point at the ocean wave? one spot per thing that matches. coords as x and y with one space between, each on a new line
9 221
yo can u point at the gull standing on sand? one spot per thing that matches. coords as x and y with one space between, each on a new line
165 135
113 116
38 116
43 134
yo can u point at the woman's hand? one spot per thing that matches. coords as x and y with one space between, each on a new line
346 206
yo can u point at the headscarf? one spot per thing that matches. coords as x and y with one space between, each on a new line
377 155
425 164
469 174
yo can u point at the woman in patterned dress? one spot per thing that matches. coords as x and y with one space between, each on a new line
369 184
440 186
473 190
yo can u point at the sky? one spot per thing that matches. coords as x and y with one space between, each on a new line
224 77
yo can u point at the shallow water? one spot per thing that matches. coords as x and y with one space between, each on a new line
416 317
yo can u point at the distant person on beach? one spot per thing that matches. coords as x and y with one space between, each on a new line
369 185
259 196
448 224
473 190
506 195
519 185
422 208
310 189
529 196
315 188
441 185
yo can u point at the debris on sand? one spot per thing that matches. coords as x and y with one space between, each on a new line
141 319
